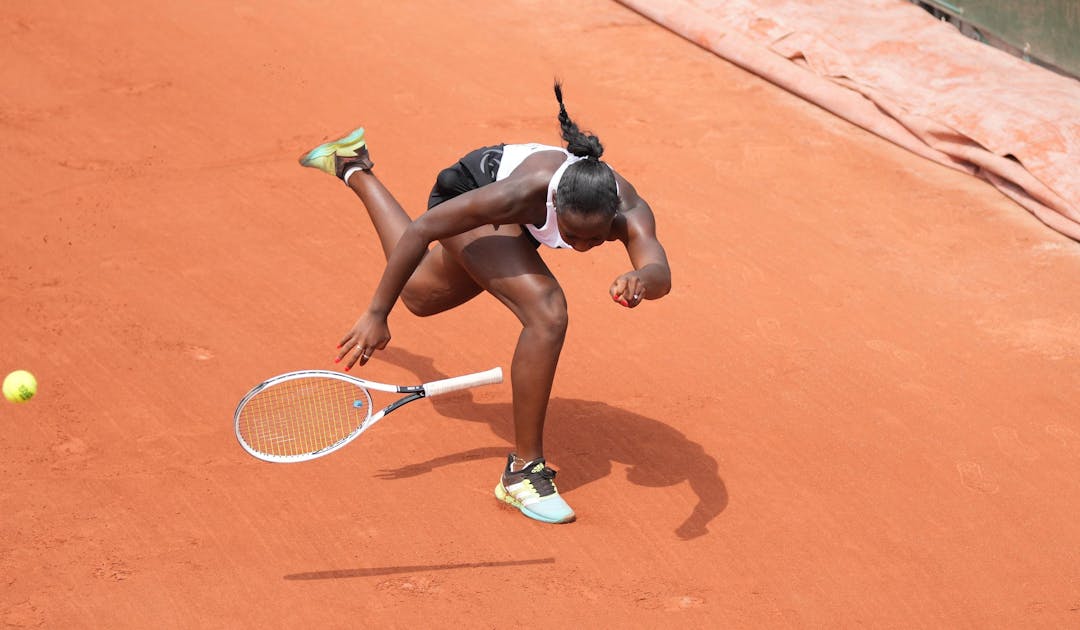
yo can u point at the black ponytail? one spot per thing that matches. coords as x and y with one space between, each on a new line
577 142
587 186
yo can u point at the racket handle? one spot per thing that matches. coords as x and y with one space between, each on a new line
490 377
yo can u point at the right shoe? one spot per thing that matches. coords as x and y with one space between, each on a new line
337 156
532 490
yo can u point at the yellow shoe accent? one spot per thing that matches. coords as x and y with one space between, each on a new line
525 495
334 157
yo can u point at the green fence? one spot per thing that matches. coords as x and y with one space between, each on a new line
1043 31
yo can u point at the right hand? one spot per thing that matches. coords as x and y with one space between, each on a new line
368 334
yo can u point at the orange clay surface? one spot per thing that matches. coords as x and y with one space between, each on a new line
857 407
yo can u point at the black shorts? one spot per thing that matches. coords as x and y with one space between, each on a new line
478 168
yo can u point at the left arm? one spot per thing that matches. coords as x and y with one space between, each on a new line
651 277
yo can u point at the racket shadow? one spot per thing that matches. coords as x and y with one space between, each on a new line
588 438
338 574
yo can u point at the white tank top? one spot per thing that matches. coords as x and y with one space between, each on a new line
513 156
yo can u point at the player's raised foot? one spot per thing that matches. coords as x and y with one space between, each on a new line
532 490
337 156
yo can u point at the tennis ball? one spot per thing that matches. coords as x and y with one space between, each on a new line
20 386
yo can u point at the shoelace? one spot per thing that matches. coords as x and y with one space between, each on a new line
542 479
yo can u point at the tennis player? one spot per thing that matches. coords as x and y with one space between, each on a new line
487 215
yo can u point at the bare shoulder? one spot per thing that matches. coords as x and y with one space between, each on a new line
524 191
635 215
538 167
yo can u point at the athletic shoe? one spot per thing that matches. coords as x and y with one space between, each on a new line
532 490
333 158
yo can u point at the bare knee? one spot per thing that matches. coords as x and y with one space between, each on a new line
438 284
546 314
424 299
423 302
416 302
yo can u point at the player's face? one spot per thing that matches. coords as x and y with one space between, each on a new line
584 231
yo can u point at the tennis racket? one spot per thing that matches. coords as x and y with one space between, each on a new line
302 415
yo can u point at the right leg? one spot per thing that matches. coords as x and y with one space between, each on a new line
439 283
387 215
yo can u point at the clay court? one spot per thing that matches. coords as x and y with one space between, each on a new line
856 408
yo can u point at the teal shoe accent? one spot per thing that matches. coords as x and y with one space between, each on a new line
532 490
333 157
552 509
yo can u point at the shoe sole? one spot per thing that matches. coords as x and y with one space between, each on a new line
330 148
504 496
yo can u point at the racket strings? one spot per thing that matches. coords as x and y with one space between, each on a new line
302 416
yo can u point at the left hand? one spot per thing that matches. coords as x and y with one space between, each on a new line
628 289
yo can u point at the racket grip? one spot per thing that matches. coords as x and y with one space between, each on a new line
490 377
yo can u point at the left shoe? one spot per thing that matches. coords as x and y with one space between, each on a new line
532 490
335 157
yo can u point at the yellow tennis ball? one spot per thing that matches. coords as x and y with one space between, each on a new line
20 386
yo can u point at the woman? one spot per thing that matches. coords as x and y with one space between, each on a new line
489 213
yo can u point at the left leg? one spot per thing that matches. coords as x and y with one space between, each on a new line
506 264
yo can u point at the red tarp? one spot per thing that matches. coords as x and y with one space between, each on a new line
895 70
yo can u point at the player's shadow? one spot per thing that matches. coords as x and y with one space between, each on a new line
586 437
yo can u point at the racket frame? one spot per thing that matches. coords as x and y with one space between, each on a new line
412 392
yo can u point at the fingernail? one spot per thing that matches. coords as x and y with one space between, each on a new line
348 367
337 360
339 346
